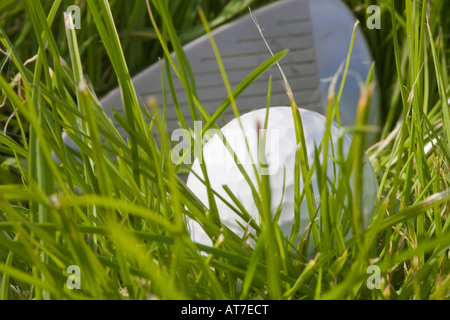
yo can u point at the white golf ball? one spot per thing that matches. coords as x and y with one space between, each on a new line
280 153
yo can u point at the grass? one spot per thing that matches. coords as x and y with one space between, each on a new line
118 210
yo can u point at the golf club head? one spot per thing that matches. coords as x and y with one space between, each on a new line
317 34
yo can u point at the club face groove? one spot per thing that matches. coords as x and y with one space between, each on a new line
317 34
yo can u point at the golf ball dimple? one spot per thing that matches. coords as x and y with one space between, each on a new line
280 153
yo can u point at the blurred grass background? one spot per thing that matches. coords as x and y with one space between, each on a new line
142 47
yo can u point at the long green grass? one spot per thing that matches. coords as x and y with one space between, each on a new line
118 209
